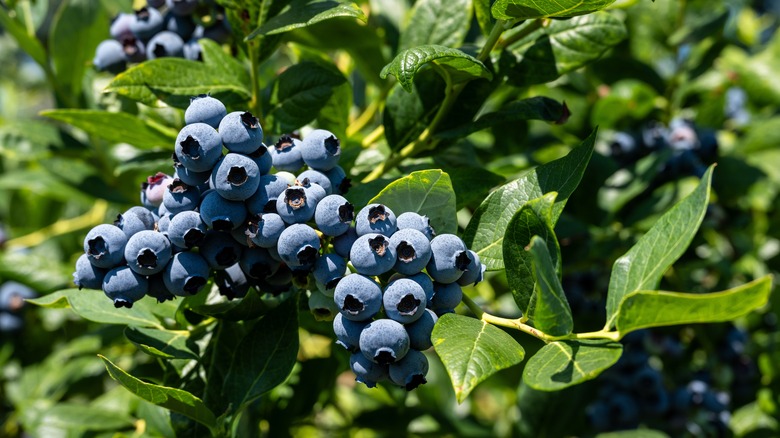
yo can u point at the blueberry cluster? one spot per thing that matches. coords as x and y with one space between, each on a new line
163 28
12 296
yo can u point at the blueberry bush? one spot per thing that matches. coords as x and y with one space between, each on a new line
309 217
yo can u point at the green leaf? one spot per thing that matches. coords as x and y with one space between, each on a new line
473 350
642 267
174 399
175 81
299 94
525 9
636 433
472 184
552 314
27 41
428 192
115 127
407 115
534 108
453 65
161 343
252 306
94 306
443 22
561 47
72 416
214 55
652 308
485 232
302 13
54 300
560 364
484 18
533 219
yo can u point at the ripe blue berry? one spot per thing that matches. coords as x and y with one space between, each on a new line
241 132
316 177
339 182
221 214
417 222
294 206
235 177
372 254
342 244
158 290
445 297
205 109
87 275
232 282
404 300
366 371
124 287
449 258
413 250
198 147
187 229
358 297
328 271
264 199
183 26
264 229
165 44
286 154
333 215
375 218
182 7
120 26
105 246
263 159
474 271
192 50
257 263
420 330
220 250
135 50
321 150
299 245
147 23
187 176
135 219
147 252
181 197
384 341
348 332
410 371
12 296
186 274
110 57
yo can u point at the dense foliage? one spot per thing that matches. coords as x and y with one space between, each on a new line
612 164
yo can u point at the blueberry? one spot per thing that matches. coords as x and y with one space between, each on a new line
153 189
186 274
205 109
417 222
264 229
198 147
342 243
474 272
294 206
348 332
420 331
404 300
105 246
366 371
192 50
410 371
164 222
299 246
187 229
147 22
316 177
135 50
328 271
257 263
279 282
155 3
10 322
333 215
221 214
110 57
165 44
375 218
158 290
384 341
413 250
445 297
219 31
181 197
623 144
124 287
264 199
321 150
315 192
184 26
120 26
13 294
449 258
286 154
232 282
358 297
135 219
182 7
682 135
235 177
241 132
425 282
339 182
372 254
189 177
87 275
220 250
263 159
322 307
147 252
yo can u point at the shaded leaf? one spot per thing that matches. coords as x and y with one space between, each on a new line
94 306
472 184
302 13
552 313
454 65
27 42
472 350
252 306
565 363
525 9
443 22
214 55
161 343
82 417
115 127
646 308
407 115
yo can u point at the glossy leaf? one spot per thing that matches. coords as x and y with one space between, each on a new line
472 184
115 127
533 219
642 267
93 305
302 13
442 22
214 55
565 363
485 232
161 343
525 9
473 350
562 47
54 300
176 400
175 81
483 15
646 308
252 306
428 192
407 115
552 313
454 65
